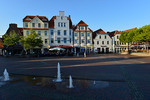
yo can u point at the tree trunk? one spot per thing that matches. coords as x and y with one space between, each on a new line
128 48
31 51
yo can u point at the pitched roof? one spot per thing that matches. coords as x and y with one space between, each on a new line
129 29
13 27
51 22
99 31
81 23
113 33
29 18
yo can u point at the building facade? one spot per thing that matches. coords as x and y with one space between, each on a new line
39 24
102 42
82 38
60 31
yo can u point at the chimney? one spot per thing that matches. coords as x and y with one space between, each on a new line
61 13
13 25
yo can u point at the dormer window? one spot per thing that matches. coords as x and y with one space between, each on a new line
44 19
28 19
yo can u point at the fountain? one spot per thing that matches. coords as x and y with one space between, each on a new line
70 82
94 82
58 74
6 75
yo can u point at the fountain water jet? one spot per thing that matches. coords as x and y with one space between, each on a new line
6 75
70 82
58 74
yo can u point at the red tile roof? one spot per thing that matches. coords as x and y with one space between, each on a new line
31 17
113 33
1 45
99 31
129 30
81 23
51 22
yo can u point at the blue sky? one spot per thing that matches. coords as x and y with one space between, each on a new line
109 15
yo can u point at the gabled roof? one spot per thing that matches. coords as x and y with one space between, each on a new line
29 18
51 22
129 29
99 31
113 33
81 23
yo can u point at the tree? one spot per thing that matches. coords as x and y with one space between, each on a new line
11 40
31 41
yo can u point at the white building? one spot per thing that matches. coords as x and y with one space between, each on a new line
102 42
60 31
82 38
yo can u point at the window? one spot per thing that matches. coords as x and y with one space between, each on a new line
75 34
82 34
70 40
65 40
70 33
39 32
65 32
33 24
39 25
89 41
117 42
52 40
107 42
58 32
61 24
45 25
45 41
27 32
102 42
117 37
100 37
105 37
64 24
58 24
88 34
82 28
61 17
83 41
26 24
45 33
97 42
76 41
52 32
58 40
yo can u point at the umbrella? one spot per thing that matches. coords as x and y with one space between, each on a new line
56 48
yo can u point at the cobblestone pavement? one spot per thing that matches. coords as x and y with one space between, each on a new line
128 76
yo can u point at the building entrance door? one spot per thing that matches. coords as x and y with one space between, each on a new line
107 50
102 50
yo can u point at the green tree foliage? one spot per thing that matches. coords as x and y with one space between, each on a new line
137 35
31 41
12 39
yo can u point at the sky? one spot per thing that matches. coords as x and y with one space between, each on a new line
108 15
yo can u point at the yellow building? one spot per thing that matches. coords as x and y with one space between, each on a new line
40 25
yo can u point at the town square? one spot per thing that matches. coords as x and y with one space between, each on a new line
78 50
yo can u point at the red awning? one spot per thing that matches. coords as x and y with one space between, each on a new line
65 47
1 45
